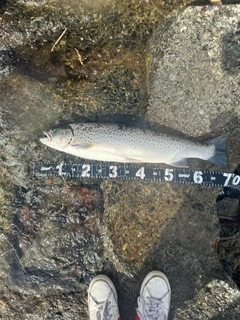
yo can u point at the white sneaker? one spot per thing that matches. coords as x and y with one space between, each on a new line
102 299
155 297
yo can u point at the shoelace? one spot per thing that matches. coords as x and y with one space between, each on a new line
103 311
155 310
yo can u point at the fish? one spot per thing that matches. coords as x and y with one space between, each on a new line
115 142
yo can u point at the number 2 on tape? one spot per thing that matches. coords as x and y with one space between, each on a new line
86 169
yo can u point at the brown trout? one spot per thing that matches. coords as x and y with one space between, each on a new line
123 143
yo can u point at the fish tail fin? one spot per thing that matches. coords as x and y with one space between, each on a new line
220 157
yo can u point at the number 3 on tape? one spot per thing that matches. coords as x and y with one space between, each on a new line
113 173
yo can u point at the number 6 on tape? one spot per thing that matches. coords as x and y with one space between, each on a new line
197 177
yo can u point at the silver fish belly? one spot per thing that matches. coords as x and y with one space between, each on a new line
127 144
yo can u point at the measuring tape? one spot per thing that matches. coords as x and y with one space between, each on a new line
132 172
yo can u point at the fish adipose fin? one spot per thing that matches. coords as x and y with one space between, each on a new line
183 163
220 157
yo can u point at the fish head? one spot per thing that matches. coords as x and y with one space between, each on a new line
58 138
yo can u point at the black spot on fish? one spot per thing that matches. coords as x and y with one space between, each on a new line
120 127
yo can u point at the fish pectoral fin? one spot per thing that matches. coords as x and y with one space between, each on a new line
134 160
182 163
83 146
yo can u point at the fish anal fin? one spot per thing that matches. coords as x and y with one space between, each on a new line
182 163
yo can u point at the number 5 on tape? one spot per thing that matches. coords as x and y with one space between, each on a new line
168 175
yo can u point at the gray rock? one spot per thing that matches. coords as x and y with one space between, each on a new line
194 64
194 89
216 300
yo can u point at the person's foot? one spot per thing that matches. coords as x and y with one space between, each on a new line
102 299
155 297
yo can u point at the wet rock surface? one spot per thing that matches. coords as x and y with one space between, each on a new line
56 235
55 240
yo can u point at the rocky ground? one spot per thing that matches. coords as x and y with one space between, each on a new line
116 61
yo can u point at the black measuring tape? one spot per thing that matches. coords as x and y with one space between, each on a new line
70 171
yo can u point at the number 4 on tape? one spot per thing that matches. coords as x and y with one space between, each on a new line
140 173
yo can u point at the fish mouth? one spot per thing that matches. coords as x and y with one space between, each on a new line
48 136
